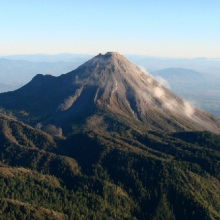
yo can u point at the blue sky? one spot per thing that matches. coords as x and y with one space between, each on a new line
171 28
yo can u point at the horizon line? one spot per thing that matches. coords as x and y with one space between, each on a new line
94 54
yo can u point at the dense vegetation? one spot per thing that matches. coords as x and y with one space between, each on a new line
26 194
108 175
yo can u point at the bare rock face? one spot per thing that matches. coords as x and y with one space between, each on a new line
109 83
115 84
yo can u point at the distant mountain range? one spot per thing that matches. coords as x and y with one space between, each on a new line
180 75
63 57
15 73
203 65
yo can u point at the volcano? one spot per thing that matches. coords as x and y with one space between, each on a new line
107 85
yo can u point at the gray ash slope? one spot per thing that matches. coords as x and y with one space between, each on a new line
107 85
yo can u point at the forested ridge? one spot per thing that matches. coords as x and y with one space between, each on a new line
114 175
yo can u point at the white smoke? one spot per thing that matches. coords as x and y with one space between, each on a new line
171 105
157 89
162 81
143 69
159 92
159 79
188 108
150 78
